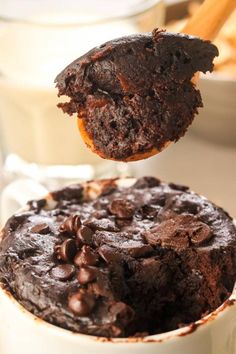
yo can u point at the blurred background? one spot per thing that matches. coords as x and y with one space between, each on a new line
41 149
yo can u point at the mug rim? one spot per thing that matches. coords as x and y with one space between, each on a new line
156 338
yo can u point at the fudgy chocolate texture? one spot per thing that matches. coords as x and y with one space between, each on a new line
135 93
147 258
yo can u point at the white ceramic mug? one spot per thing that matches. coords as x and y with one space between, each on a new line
23 333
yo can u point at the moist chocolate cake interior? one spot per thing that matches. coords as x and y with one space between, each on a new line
135 94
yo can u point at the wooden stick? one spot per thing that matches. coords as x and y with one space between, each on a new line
208 20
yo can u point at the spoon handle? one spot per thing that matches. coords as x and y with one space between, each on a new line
210 17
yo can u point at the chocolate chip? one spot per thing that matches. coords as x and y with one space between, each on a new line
73 192
87 275
101 225
200 233
122 208
63 272
16 220
149 211
109 254
86 257
172 233
81 304
71 225
121 312
147 182
102 286
178 187
67 250
179 232
85 235
183 203
40 229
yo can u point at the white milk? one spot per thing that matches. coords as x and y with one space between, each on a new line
31 57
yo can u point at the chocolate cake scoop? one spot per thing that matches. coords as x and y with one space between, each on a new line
134 95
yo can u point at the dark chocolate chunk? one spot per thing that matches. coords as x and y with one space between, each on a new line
149 211
109 254
16 220
122 208
85 235
179 232
87 274
178 204
139 250
147 182
73 192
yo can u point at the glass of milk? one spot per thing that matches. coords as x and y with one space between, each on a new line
37 40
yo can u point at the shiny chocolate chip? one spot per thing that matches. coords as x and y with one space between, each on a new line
41 229
200 233
86 256
71 225
122 208
63 272
121 312
67 250
81 303
85 235
87 275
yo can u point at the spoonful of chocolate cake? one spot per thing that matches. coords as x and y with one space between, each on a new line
135 95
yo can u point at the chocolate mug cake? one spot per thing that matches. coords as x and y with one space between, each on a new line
120 257
134 95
